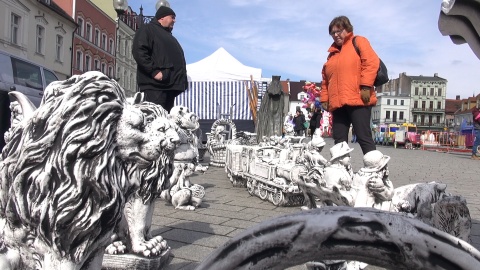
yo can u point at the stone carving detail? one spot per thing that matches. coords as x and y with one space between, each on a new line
68 169
148 175
268 172
370 235
182 193
216 141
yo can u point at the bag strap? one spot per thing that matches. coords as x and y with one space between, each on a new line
355 45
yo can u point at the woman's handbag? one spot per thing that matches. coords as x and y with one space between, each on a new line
382 73
306 124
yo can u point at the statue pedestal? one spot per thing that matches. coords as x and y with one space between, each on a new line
134 262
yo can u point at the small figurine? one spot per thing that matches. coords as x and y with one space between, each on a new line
340 170
374 187
313 156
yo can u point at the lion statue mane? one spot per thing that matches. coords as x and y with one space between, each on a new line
151 178
64 174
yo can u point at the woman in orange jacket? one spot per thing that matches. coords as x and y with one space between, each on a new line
347 85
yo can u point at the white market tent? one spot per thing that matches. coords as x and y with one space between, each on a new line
217 85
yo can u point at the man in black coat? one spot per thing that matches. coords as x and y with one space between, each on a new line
161 66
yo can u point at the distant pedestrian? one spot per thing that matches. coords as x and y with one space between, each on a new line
354 136
315 114
476 133
299 121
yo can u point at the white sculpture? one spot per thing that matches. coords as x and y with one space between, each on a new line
374 187
385 239
182 193
148 176
64 173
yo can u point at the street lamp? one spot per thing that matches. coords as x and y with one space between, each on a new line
120 6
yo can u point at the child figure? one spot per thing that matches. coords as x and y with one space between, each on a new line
313 156
374 187
339 173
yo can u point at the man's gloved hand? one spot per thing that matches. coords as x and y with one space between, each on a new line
325 106
365 94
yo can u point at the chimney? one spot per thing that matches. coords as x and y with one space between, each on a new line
435 74
457 97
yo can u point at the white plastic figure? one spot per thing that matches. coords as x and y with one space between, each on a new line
374 187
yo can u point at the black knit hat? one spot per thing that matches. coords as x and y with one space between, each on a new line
164 11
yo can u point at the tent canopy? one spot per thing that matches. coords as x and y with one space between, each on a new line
221 66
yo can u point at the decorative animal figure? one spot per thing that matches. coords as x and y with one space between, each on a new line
182 193
155 137
64 177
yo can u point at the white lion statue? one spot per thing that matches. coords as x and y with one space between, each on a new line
68 168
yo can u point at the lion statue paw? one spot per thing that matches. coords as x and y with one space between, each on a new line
153 247
117 247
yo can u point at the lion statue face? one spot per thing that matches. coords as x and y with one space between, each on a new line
144 132
184 118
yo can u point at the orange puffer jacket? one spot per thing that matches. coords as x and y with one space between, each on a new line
344 73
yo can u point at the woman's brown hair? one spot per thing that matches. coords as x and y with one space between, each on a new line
342 22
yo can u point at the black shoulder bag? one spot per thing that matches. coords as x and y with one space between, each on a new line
382 73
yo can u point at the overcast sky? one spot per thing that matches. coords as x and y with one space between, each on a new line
290 38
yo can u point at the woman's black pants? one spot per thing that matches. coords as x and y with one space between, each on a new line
359 118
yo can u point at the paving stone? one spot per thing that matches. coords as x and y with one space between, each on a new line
163 220
202 227
252 202
197 238
237 223
229 214
177 264
199 217
190 252
226 207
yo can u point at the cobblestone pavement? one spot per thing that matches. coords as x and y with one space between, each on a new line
227 210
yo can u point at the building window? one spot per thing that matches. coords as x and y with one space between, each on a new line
79 60
432 92
103 68
415 118
439 92
387 114
88 32
402 102
416 91
415 104
388 101
59 48
431 104
104 42
110 46
401 116
40 39
96 65
125 47
439 105
110 72
15 29
88 63
438 119
424 91
394 102
80 26
423 104
97 37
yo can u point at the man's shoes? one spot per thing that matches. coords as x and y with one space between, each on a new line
475 157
